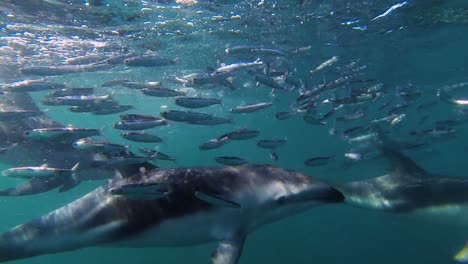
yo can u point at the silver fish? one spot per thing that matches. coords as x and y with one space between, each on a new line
161 92
196 102
141 137
231 161
244 109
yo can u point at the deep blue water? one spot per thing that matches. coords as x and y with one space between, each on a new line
419 47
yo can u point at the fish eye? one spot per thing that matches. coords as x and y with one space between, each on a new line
27 133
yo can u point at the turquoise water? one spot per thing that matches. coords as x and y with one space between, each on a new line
421 46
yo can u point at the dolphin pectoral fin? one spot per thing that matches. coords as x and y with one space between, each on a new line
215 200
229 250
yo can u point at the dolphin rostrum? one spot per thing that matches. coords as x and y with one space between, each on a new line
172 207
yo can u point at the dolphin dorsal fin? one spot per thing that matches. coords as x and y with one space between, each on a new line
402 163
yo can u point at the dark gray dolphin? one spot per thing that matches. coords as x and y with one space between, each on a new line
22 152
408 188
172 207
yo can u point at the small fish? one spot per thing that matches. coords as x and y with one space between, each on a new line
318 161
311 119
185 116
61 134
87 59
243 134
397 119
237 66
42 172
85 108
446 98
32 86
52 70
398 109
196 102
148 61
231 161
119 59
83 100
212 121
254 50
384 119
4 149
99 146
141 85
141 137
124 160
114 82
353 131
354 156
111 109
214 143
284 115
138 117
447 123
250 108
353 116
362 138
71 92
326 64
139 124
271 143
161 92
156 154
390 10
270 82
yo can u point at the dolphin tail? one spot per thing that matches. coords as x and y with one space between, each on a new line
83 223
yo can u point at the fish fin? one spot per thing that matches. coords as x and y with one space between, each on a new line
45 165
229 250
215 200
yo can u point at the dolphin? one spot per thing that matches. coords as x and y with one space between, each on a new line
161 207
408 188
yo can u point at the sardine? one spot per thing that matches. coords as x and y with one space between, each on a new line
161 92
196 102
231 161
249 108
141 137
